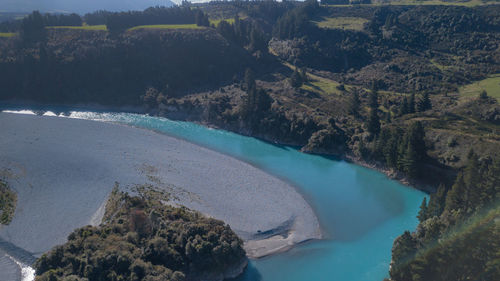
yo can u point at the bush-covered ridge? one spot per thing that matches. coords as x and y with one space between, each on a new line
141 238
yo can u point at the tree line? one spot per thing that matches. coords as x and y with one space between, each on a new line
244 33
399 148
117 22
296 22
32 26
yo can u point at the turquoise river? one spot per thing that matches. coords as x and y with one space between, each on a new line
361 211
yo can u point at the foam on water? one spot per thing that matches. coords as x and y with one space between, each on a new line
27 272
29 112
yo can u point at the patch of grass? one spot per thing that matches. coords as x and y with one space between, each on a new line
321 85
8 201
217 21
491 85
83 27
167 26
439 66
351 23
7 34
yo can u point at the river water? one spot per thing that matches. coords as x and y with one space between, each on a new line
361 211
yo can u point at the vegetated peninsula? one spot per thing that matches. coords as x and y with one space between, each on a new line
410 88
141 238
8 200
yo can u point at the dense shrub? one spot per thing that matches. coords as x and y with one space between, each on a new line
143 239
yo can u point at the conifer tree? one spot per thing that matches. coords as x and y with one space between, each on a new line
391 149
373 125
257 40
437 202
303 74
455 197
249 80
472 178
424 103
411 103
409 162
491 189
416 138
354 103
404 107
423 213
296 79
374 100
33 28
483 95
250 98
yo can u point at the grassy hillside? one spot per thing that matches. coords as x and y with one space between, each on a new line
491 85
403 53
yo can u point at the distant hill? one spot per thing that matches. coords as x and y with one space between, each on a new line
78 6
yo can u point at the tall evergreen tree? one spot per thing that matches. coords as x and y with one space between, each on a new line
404 107
354 103
409 162
423 213
373 125
424 103
250 98
33 28
391 149
296 79
472 178
491 189
416 138
257 40
249 80
374 100
437 201
303 74
456 196
411 103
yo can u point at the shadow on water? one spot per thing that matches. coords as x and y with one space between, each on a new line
16 252
250 274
